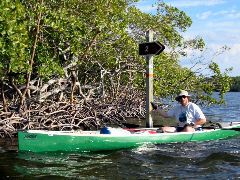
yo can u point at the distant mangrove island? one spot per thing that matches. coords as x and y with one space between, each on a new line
235 87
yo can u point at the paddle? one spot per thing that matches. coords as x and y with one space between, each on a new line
129 125
234 129
214 125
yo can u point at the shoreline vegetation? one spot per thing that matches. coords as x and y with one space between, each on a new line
235 86
63 115
65 66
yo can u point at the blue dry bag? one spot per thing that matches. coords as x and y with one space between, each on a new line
105 130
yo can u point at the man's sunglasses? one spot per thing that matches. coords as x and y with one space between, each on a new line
180 97
183 96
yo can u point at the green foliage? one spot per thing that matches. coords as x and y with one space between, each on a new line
13 38
102 37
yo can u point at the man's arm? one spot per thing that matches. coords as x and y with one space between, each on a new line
200 117
201 121
160 111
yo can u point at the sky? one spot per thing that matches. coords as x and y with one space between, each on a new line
217 22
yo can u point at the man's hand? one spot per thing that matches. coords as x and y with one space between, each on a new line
154 106
192 124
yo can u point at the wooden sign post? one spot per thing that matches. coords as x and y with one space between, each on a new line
149 49
149 83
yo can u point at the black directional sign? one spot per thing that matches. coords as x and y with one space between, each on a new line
151 48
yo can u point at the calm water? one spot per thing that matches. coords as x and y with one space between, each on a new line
212 160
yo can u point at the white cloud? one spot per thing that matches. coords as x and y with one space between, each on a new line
224 14
147 5
204 15
224 33
227 59
235 48
194 3
234 14
147 8
217 22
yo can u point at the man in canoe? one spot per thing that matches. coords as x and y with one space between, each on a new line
189 116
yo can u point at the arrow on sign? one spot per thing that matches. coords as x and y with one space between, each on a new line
151 48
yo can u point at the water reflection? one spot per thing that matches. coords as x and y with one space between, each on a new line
60 164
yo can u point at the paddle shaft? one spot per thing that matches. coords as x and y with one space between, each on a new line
234 129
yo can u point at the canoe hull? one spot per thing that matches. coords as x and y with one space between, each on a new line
43 141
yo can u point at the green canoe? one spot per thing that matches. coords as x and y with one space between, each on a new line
113 139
